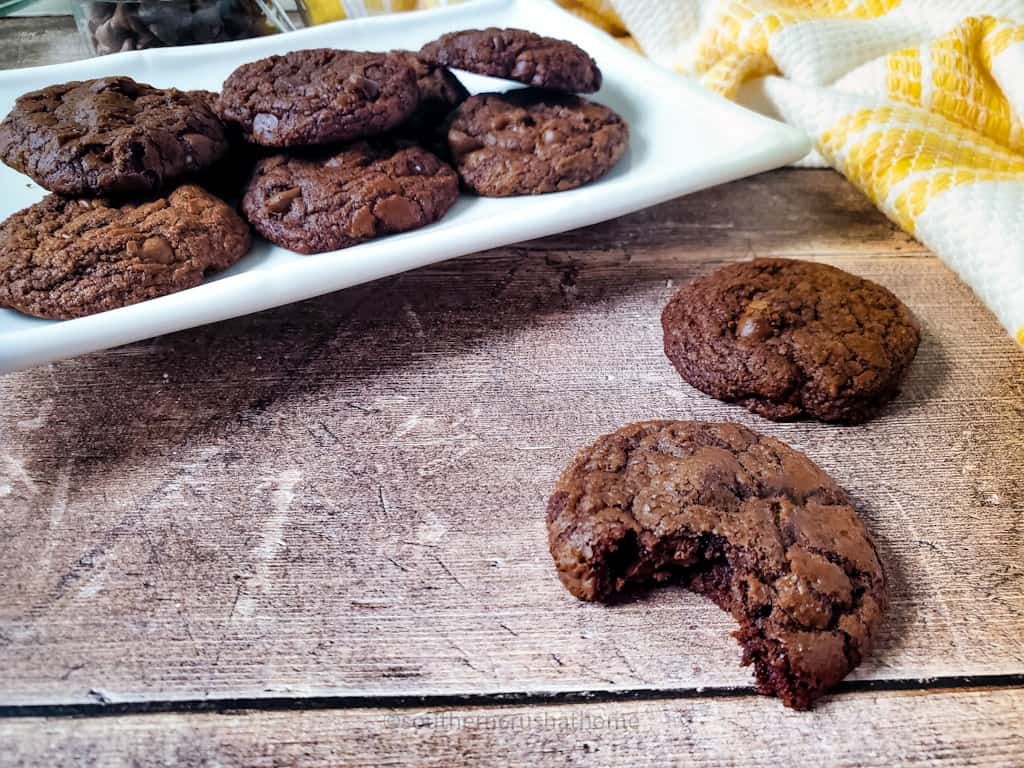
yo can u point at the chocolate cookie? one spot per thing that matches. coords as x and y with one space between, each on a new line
319 96
440 92
332 201
528 142
736 516
515 54
786 338
63 258
110 136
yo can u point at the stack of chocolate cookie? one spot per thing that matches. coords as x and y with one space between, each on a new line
327 148
360 137
120 226
532 140
341 172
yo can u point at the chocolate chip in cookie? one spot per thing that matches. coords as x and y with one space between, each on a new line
787 338
528 142
110 136
516 54
319 203
64 258
319 96
736 516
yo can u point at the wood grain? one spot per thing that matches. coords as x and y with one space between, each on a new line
346 496
958 728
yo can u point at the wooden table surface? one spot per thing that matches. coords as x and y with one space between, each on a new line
315 535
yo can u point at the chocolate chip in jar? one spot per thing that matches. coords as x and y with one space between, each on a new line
207 24
99 13
168 22
238 22
109 26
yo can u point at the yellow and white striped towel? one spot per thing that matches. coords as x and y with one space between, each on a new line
920 103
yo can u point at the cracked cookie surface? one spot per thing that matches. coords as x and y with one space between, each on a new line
516 54
787 338
318 96
332 201
529 142
64 258
737 516
110 136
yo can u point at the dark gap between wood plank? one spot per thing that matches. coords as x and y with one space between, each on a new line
294 703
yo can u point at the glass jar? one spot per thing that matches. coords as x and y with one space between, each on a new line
109 26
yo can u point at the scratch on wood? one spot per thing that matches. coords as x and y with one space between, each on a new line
595 675
60 495
448 571
464 657
943 603
280 498
361 408
99 696
71 670
449 455
234 605
414 320
85 562
407 426
327 429
37 421
625 660
273 538
18 469
188 631
383 502
506 280
1008 578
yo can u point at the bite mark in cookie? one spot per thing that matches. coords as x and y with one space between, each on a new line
739 517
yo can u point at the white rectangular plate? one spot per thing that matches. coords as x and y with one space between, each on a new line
682 138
